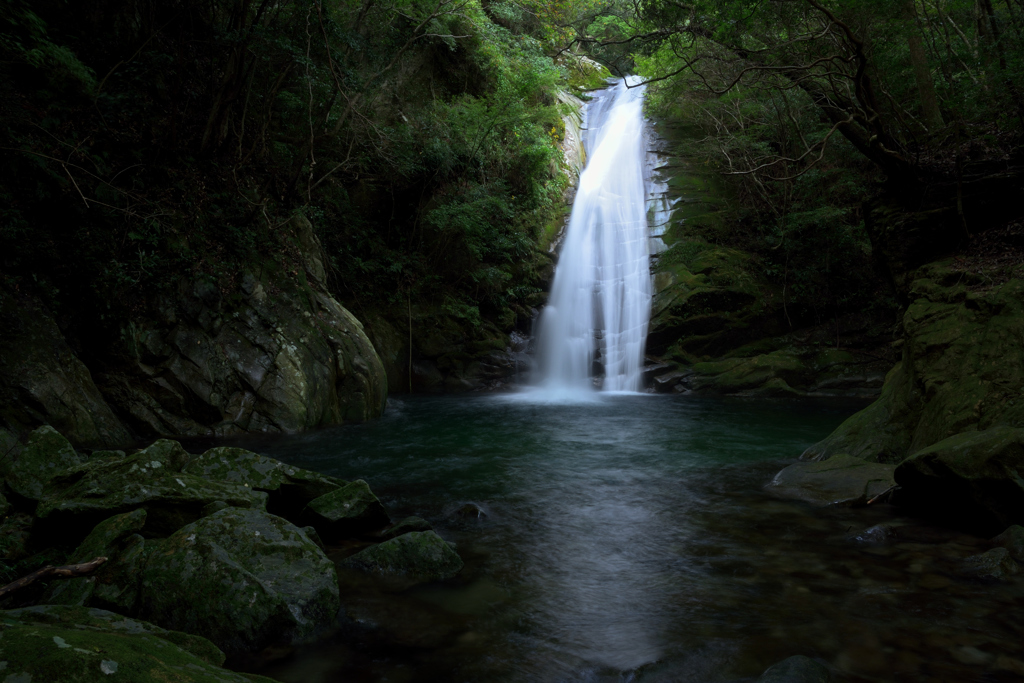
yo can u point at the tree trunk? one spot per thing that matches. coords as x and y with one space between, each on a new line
922 74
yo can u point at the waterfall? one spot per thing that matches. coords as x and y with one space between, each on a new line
597 315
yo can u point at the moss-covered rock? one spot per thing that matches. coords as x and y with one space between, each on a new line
405 526
347 511
707 301
78 645
962 370
290 488
28 469
80 498
414 557
840 480
972 479
115 585
248 578
274 355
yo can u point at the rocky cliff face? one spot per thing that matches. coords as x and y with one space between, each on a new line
275 353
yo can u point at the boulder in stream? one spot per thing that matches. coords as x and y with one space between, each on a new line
993 565
405 526
80 645
1013 540
971 480
840 480
242 578
414 557
346 511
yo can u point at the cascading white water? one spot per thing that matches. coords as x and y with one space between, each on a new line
600 300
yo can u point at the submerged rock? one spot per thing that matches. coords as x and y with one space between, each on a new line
796 669
1013 540
346 511
82 497
993 565
971 479
250 578
28 469
79 645
840 480
416 557
290 488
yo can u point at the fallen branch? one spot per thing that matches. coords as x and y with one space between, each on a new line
63 572
884 496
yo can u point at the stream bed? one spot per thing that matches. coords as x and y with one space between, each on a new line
629 538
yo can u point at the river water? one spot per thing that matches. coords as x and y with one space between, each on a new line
629 539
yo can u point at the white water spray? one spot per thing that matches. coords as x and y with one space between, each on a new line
600 301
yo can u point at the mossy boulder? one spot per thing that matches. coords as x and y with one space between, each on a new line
290 488
796 669
115 585
779 370
962 369
707 301
346 511
80 498
28 469
972 479
77 645
840 480
405 526
414 557
242 578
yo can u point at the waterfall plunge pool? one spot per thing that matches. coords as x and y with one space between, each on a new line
629 539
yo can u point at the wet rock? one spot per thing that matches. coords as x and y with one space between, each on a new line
1013 540
840 480
994 565
347 511
78 645
416 557
115 585
290 488
470 511
405 526
970 479
796 669
251 579
28 469
82 497
880 533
